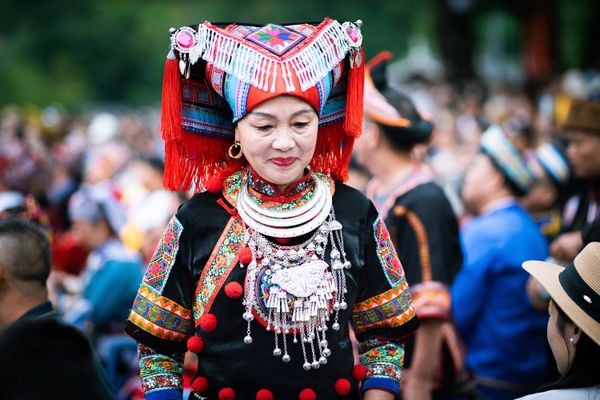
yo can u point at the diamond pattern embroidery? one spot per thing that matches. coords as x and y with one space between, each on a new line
275 38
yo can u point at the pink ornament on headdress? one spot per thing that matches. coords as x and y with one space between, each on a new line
353 34
185 39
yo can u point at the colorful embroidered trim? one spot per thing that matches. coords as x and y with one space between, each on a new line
160 372
233 184
259 186
422 240
389 309
160 316
220 264
256 61
431 299
382 360
386 252
159 268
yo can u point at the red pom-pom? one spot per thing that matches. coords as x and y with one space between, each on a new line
234 290
200 384
264 394
342 386
215 185
195 344
307 394
359 372
226 394
208 322
245 255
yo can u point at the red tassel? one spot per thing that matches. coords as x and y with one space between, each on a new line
354 96
170 124
332 152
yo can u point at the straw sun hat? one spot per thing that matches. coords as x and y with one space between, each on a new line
575 288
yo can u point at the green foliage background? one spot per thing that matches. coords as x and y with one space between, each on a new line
80 53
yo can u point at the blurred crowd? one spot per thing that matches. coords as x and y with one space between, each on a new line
94 182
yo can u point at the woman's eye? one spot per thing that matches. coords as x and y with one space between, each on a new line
264 128
301 124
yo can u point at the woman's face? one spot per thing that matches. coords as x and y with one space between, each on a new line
562 350
481 179
583 152
278 138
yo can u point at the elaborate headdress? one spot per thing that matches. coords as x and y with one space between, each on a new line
392 109
506 158
216 73
554 162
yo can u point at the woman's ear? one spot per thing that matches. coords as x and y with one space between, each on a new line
236 136
573 332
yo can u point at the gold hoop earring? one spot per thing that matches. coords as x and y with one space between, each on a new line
237 148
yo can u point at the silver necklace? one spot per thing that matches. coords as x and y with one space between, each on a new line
286 223
292 288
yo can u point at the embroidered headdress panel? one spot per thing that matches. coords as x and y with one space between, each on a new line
216 73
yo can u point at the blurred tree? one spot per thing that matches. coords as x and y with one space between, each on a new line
90 52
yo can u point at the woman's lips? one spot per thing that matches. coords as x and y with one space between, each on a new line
283 161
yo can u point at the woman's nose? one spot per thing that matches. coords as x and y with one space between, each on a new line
284 140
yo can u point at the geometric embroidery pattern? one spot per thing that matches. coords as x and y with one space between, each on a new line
220 264
275 38
160 316
386 252
382 360
390 309
160 372
159 268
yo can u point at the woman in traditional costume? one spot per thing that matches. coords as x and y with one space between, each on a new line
424 231
263 272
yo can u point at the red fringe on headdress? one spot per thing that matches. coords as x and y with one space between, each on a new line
191 160
170 123
333 151
354 96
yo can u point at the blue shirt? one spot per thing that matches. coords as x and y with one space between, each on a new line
505 336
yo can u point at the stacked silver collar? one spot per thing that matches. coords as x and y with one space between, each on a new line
302 290
286 223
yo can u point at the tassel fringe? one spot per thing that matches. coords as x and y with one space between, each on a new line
310 64
355 95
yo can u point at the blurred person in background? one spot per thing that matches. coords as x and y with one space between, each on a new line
504 334
582 132
148 204
573 330
552 174
25 264
98 301
44 358
24 269
423 228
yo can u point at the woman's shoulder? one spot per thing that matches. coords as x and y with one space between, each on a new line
347 195
202 209
589 393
